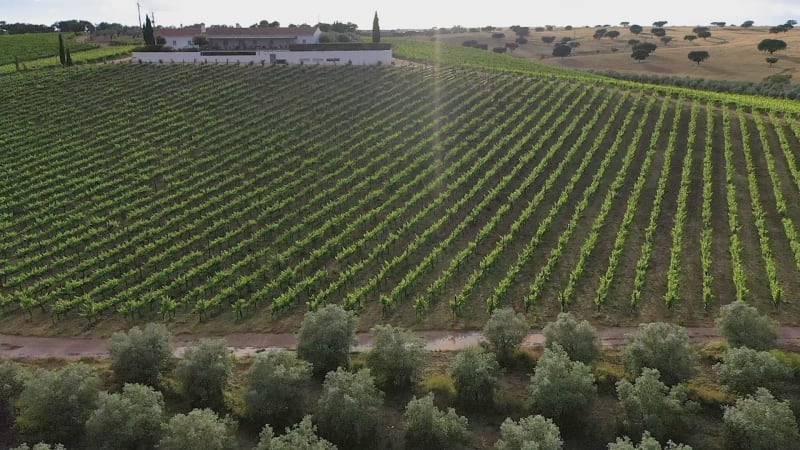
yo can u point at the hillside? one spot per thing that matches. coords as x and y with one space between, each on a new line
236 197
733 50
27 47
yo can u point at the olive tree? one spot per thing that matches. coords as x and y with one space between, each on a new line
532 432
561 389
397 357
347 410
475 376
505 330
760 422
40 446
428 427
743 326
132 419
302 436
743 370
578 339
647 443
200 429
12 383
664 347
204 372
276 390
141 355
648 404
54 405
325 338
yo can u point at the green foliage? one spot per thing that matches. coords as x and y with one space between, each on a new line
760 422
131 420
276 389
32 46
428 427
61 53
505 330
325 338
649 405
743 326
475 376
698 56
647 443
561 50
578 339
204 372
347 410
302 436
789 359
54 405
141 356
376 29
12 382
441 386
397 357
743 370
771 45
147 32
664 347
200 429
530 433
40 446
635 29
561 389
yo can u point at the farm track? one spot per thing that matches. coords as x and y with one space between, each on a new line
244 344
421 196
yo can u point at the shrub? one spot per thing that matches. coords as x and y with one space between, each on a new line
276 388
664 347
442 386
428 427
132 419
54 406
204 372
561 389
760 422
532 432
578 339
40 446
743 326
303 436
647 443
141 356
347 410
743 370
505 330
475 375
648 404
200 429
325 338
397 358
11 383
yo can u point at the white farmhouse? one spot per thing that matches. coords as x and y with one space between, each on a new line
225 38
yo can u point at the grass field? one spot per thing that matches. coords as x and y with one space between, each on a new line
238 197
94 55
733 51
31 46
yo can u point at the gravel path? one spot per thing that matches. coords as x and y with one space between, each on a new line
250 343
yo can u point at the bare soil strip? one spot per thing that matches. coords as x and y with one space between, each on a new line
244 344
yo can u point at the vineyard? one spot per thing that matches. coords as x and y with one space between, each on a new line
26 47
424 196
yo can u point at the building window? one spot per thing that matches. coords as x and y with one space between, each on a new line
174 42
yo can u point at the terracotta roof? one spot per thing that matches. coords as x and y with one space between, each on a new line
260 32
188 31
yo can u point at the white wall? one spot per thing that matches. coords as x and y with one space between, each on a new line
178 41
356 57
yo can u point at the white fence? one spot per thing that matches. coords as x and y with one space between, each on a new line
328 57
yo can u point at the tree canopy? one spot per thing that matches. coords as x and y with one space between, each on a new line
325 338
661 346
578 339
742 325
771 45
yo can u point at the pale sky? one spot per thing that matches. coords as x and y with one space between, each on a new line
407 13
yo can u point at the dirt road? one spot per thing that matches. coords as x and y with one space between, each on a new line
250 343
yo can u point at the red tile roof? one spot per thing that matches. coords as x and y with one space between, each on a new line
187 31
220 32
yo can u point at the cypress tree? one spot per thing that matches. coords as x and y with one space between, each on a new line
149 37
68 57
61 55
376 29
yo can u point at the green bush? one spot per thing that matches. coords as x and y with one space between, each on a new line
347 410
664 347
743 370
647 443
441 386
325 338
530 433
505 330
578 339
11 383
141 356
428 427
303 436
397 358
475 375
743 326
760 422
276 390
200 429
204 372
131 420
561 389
